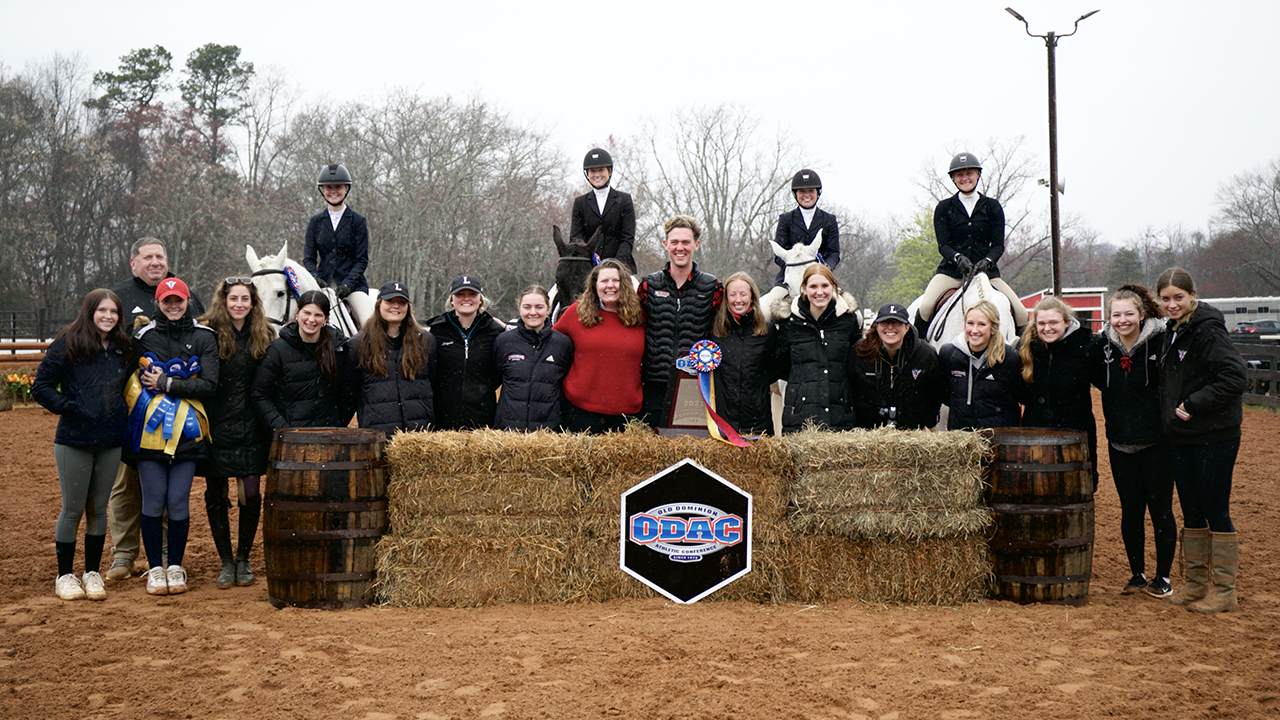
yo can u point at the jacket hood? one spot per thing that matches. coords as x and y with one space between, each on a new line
844 304
1150 327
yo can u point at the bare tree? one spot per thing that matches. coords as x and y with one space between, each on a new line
267 111
1249 206
716 164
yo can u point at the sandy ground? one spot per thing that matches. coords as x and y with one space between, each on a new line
229 654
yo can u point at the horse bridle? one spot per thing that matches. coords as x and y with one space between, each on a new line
288 293
937 335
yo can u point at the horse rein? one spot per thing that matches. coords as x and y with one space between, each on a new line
937 335
288 295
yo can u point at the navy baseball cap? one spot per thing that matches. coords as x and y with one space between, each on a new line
393 289
465 282
893 311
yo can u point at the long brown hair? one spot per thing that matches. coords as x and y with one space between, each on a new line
372 348
720 326
1180 279
629 311
83 343
1029 334
219 318
325 354
1140 296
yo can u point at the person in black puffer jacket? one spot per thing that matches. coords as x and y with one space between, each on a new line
749 358
1141 457
240 441
1202 378
679 302
814 343
178 360
465 378
896 378
532 359
394 360
305 379
983 374
81 379
1058 359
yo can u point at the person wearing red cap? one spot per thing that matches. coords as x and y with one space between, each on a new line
168 430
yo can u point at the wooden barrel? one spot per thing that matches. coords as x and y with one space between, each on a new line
325 509
1041 496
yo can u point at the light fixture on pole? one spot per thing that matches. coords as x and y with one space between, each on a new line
1051 42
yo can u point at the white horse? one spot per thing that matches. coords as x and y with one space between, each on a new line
948 319
796 259
280 300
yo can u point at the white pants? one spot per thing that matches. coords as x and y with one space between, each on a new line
942 283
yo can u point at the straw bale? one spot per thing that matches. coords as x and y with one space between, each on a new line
486 472
917 463
934 571
871 523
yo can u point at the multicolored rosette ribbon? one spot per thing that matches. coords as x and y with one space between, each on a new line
291 279
704 358
150 411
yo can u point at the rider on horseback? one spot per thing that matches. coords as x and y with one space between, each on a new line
604 208
337 241
970 230
801 226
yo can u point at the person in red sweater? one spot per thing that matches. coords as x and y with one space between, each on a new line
606 325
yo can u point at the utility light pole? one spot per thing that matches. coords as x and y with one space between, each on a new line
1051 42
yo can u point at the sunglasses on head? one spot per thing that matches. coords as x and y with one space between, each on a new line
239 281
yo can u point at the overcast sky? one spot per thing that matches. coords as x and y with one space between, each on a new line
1158 102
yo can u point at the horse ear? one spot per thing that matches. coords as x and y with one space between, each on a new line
594 242
283 254
777 249
558 237
251 257
816 245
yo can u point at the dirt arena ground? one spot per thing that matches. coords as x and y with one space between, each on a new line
229 654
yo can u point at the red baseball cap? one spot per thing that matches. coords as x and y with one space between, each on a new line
172 286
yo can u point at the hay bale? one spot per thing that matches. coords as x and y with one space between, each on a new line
466 562
889 483
486 473
933 571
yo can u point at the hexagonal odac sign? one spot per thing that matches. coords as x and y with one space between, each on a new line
686 532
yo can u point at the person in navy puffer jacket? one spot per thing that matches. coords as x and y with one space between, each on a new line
532 359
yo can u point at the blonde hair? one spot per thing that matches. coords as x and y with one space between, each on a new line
720 327
995 345
1029 334
682 221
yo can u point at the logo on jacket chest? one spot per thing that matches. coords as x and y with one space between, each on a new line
515 357
915 374
1182 354
661 293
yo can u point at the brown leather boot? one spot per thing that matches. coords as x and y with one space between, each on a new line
1226 560
1195 555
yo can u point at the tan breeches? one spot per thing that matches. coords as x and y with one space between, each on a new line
942 283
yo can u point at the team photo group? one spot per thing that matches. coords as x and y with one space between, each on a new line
154 387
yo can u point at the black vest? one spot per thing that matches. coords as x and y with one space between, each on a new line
675 318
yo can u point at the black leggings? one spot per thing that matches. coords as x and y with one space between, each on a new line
1144 482
1203 474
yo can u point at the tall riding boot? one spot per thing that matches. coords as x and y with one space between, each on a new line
1226 560
248 527
220 525
1195 554
922 326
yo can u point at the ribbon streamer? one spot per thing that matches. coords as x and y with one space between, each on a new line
151 411
704 358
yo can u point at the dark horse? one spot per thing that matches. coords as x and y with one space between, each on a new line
576 261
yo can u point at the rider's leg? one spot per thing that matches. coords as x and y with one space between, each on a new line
929 300
1019 310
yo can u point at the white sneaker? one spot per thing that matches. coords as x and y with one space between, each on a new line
157 581
177 580
93 586
68 587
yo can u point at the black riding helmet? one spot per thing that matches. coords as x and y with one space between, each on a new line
965 161
334 174
597 158
806 179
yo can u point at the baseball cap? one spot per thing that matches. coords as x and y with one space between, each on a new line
393 289
893 311
465 282
171 286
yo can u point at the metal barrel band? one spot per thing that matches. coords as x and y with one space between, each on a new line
1044 580
324 534
1016 509
316 506
330 465
1078 541
319 577
1049 439
1043 467
292 436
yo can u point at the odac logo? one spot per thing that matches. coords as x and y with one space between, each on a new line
686 532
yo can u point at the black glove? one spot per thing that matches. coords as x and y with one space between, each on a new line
964 263
343 292
982 265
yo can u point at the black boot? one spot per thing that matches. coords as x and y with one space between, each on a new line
220 526
248 528
922 327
